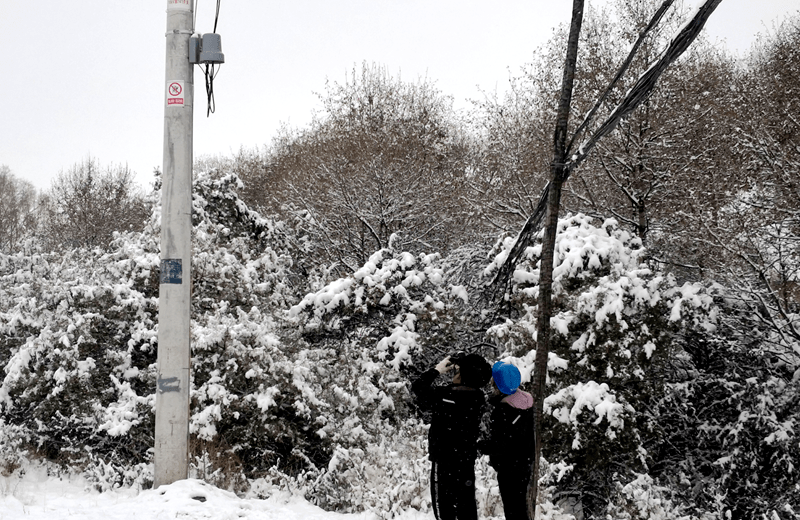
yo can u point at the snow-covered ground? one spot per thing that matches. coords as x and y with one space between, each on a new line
37 496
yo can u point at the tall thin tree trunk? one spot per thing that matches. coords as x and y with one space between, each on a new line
558 174
641 213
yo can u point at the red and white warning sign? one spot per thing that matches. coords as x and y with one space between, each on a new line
175 93
179 5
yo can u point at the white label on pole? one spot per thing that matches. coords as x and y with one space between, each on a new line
175 93
179 5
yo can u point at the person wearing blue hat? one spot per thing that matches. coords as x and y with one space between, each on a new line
511 436
457 409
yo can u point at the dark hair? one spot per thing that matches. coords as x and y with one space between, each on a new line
475 371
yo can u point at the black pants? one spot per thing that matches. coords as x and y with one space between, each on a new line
513 482
453 490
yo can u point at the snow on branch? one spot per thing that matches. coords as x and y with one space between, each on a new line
635 96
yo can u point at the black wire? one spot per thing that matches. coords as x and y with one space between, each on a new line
212 105
210 74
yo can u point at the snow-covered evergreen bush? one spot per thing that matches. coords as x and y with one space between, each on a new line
731 443
78 339
380 327
615 327
276 396
663 401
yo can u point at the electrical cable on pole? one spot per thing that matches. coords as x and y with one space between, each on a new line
210 72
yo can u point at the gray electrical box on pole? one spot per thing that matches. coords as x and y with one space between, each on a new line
174 297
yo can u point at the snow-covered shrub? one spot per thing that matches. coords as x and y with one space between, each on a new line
104 475
731 444
387 476
380 326
642 499
655 390
241 259
251 398
78 344
388 302
13 452
78 336
616 328
672 393
487 491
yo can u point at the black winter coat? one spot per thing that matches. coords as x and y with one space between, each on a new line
456 417
510 445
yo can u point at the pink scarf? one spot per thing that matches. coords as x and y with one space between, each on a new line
520 400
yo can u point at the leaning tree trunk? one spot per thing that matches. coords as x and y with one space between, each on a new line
564 161
558 174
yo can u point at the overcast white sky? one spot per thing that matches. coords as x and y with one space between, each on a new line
86 78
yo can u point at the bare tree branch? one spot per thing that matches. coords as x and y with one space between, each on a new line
647 81
637 94
621 72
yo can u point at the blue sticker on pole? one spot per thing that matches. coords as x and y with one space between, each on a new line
171 270
168 384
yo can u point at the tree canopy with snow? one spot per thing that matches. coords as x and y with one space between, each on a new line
673 367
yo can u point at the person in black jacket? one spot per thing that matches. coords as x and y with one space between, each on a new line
510 445
453 436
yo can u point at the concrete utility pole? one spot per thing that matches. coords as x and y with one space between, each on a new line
174 297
